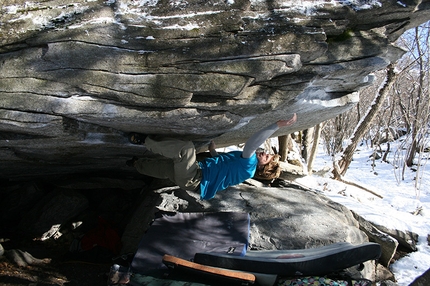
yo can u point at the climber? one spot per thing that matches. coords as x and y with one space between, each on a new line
214 173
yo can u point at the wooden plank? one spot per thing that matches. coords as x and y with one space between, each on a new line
222 273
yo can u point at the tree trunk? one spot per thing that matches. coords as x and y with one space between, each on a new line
308 137
314 149
283 148
342 166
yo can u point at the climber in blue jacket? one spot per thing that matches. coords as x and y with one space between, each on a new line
214 173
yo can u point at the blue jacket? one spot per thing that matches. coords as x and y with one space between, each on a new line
224 170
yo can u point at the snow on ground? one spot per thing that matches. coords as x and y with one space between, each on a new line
394 210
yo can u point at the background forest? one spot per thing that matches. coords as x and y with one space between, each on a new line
396 105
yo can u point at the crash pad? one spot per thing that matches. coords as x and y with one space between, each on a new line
314 261
184 234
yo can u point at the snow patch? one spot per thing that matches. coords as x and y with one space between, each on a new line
98 21
149 3
189 26
319 98
12 9
309 7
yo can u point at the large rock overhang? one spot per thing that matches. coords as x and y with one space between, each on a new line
76 77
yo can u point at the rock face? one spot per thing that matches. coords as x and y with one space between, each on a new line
281 218
75 77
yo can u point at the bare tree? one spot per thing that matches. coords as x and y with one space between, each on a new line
421 106
314 147
336 131
397 104
341 166
413 98
308 142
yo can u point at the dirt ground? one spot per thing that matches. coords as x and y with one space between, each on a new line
72 273
80 268
63 269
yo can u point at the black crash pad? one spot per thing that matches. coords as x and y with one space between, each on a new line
314 261
184 234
